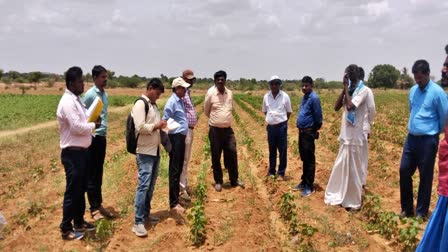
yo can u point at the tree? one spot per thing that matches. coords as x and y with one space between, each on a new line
384 76
405 81
163 78
35 77
319 82
110 74
1 73
13 75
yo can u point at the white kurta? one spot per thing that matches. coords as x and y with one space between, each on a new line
345 183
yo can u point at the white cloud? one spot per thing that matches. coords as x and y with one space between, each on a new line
377 8
219 30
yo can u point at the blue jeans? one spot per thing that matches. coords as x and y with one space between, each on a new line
148 170
418 151
278 141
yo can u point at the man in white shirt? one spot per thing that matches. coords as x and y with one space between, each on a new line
75 139
345 184
277 108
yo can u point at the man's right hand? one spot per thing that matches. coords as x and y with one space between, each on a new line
98 123
161 124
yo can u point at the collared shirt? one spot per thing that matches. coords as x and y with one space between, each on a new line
371 111
148 139
88 99
277 108
174 108
74 129
189 109
429 109
353 134
218 107
310 112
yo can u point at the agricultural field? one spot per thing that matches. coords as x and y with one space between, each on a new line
265 216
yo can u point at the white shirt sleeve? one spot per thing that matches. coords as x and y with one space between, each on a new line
288 104
360 97
264 108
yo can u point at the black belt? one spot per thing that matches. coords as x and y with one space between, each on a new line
190 127
306 129
73 148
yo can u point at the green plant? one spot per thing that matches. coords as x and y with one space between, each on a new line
408 234
104 230
35 208
53 164
198 219
287 206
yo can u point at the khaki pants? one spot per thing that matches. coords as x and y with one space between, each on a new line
183 183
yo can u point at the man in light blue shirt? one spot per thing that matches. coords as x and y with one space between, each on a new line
97 151
428 105
175 109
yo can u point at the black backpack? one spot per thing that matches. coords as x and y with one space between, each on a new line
131 139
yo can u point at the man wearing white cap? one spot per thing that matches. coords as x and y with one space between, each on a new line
277 108
187 76
175 109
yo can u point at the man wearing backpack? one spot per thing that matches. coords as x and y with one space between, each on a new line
147 132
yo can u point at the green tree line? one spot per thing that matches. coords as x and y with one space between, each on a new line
381 76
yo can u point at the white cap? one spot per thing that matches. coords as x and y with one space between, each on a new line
179 82
275 77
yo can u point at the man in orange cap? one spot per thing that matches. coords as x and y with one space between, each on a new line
190 112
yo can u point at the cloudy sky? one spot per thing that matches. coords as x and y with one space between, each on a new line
247 38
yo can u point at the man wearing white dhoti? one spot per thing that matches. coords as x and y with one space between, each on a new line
345 185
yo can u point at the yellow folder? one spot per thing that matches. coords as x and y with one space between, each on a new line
95 109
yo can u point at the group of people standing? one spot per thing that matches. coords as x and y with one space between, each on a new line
83 143
350 168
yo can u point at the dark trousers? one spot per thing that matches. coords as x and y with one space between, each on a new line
418 151
74 205
278 141
97 153
306 150
177 155
223 139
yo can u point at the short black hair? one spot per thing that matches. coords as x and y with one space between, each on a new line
421 66
446 49
352 72
361 73
72 74
219 74
97 70
307 79
155 83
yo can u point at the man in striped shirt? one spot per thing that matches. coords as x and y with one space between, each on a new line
190 112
